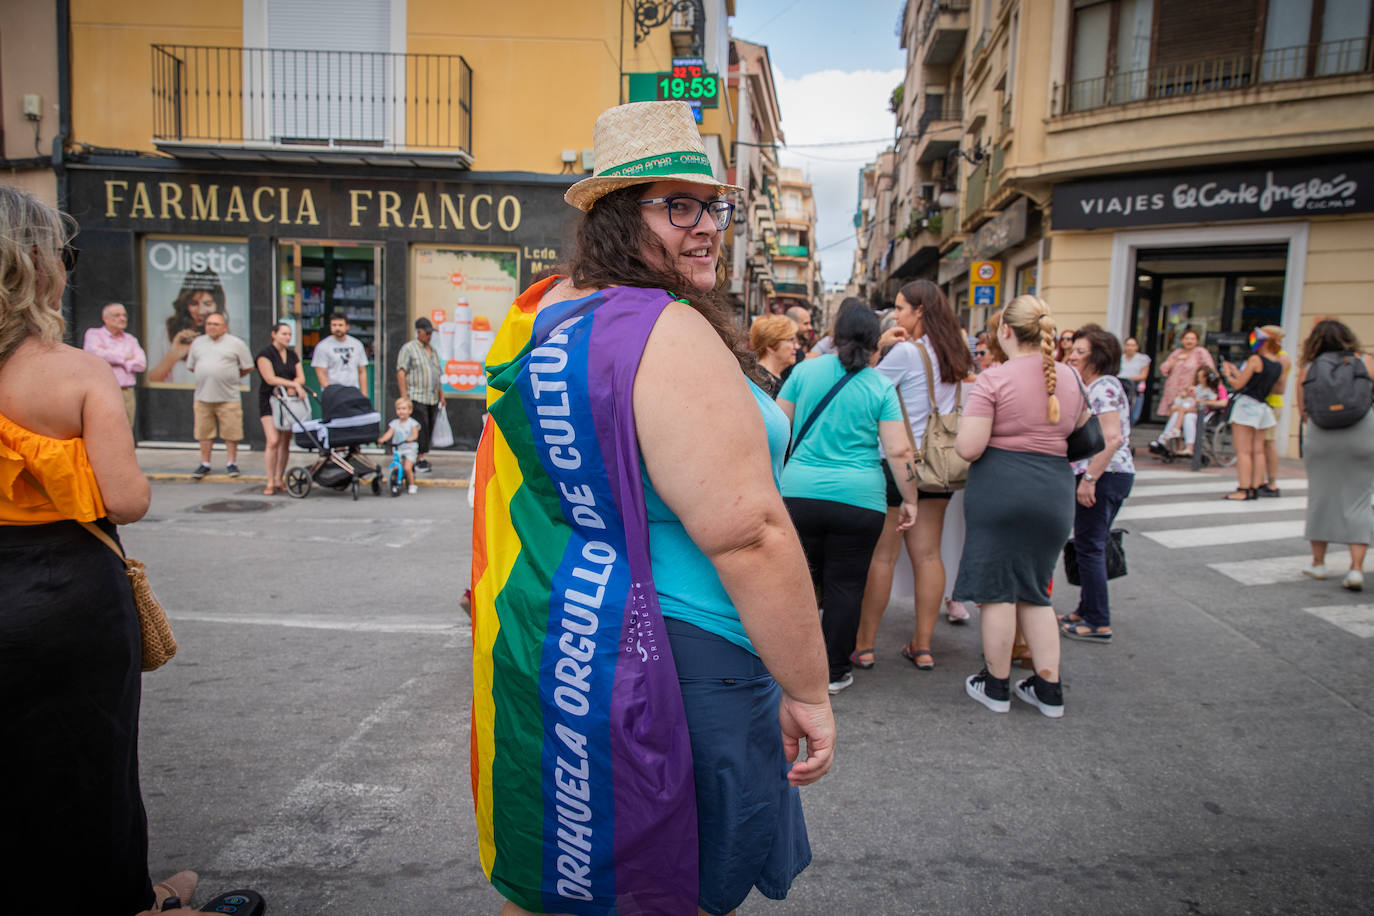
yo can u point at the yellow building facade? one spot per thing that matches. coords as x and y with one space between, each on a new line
384 160
1148 166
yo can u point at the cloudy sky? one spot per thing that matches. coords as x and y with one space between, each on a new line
835 66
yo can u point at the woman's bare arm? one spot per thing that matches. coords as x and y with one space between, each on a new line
110 444
974 433
706 451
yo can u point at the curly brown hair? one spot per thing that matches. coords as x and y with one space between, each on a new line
609 248
1328 335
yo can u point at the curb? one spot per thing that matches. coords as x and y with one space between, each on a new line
259 478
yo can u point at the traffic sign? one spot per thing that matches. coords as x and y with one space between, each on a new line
985 280
985 295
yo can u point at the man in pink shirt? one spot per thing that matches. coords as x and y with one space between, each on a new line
118 348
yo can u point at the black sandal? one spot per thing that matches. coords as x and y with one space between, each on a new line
1246 495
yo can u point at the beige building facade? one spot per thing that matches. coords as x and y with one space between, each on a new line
1150 165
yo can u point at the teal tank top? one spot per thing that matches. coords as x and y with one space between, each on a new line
688 587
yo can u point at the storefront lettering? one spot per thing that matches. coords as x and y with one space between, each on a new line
180 257
268 205
539 259
286 206
455 211
1313 194
1123 205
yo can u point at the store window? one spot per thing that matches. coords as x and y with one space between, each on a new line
465 292
321 279
185 280
1027 279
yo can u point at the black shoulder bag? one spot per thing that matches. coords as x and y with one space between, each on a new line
829 396
1087 440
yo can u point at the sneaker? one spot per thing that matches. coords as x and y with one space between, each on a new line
1354 580
1316 571
423 466
1043 695
231 469
412 489
842 683
201 471
990 691
955 611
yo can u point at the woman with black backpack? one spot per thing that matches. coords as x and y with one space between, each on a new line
1338 436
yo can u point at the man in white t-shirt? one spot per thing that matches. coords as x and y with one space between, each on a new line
219 360
340 359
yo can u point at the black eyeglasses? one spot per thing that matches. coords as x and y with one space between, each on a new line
684 212
68 255
981 352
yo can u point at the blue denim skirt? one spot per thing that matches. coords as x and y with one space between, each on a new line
749 820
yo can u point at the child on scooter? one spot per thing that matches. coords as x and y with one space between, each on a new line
404 433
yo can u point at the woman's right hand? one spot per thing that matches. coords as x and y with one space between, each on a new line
816 723
906 515
893 335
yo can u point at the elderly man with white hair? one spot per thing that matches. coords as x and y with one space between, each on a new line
112 343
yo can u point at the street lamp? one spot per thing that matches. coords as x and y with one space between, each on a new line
650 14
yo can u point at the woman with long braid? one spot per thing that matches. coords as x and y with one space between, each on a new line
1018 505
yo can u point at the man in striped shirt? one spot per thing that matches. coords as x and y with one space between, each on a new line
418 377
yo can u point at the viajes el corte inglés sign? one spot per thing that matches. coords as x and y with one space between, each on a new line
1279 192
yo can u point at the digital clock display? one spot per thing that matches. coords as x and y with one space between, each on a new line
688 82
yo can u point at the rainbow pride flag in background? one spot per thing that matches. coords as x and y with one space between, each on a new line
581 761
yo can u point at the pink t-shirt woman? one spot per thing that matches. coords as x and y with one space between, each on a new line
1013 396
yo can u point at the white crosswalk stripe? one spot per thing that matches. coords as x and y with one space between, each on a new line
1273 570
1209 508
1353 618
1211 535
1208 485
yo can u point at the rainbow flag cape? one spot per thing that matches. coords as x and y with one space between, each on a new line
581 761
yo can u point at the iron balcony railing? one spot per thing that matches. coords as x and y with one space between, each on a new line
369 99
947 108
1218 74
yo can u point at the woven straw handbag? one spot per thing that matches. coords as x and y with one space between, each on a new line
158 644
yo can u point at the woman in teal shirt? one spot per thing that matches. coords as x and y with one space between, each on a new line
833 482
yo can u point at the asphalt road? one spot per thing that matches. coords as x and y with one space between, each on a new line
310 738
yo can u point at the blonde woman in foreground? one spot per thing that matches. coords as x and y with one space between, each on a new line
1019 503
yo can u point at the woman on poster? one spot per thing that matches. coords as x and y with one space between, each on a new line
201 295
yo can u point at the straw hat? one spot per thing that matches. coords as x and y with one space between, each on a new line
641 143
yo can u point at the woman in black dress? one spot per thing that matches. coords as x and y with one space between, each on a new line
278 365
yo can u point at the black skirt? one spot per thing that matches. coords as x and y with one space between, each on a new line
1018 513
70 654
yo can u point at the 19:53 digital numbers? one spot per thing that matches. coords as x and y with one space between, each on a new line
677 87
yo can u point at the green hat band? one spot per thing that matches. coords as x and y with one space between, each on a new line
664 165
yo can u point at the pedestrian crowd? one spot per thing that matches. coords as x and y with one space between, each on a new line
685 535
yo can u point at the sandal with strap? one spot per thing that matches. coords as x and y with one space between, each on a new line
914 656
1246 494
855 659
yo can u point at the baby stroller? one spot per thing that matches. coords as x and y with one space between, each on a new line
349 422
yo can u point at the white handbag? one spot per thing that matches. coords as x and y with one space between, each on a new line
288 410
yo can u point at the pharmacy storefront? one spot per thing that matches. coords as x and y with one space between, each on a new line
175 246
1218 252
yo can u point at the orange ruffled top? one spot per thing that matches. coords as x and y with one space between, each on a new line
45 480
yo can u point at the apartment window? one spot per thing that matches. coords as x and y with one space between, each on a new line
1111 52
1304 38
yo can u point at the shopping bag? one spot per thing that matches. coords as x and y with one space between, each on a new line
443 432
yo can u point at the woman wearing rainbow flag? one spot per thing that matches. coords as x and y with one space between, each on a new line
647 649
